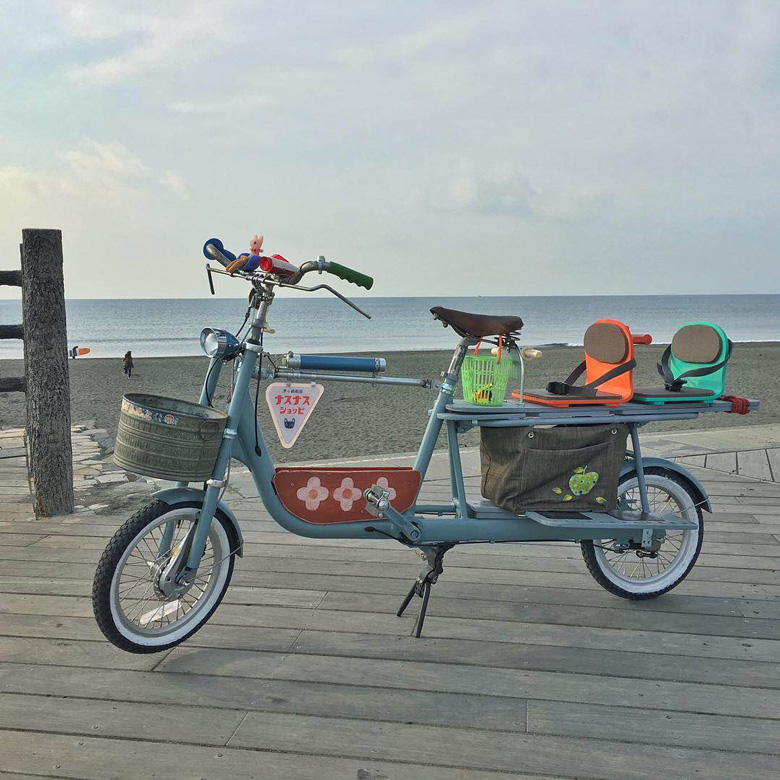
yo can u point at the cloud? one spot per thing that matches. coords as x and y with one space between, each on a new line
93 168
224 106
439 35
501 190
145 40
176 184
22 183
97 163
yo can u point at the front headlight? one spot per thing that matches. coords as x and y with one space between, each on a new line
216 342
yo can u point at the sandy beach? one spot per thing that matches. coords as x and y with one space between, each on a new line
354 420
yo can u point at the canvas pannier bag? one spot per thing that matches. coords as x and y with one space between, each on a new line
553 469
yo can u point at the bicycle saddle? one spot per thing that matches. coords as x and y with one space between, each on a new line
477 325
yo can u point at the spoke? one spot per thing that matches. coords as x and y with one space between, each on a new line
125 593
137 598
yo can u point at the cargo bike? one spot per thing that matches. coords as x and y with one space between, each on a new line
167 568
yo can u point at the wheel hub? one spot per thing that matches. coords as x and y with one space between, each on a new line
169 581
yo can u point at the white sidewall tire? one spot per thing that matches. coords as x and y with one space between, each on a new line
104 596
630 587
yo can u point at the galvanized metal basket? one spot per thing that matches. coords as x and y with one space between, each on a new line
167 438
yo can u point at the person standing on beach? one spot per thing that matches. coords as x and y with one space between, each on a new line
127 364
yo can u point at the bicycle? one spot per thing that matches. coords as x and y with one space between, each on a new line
167 568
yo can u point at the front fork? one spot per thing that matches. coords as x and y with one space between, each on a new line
215 484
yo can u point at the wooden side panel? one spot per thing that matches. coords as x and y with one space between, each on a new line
335 495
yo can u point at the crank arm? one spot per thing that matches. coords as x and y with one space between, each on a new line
378 504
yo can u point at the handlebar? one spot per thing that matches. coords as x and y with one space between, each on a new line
349 275
214 249
642 338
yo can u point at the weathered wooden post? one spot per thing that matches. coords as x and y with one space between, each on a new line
46 372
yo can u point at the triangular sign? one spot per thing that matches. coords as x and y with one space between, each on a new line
291 406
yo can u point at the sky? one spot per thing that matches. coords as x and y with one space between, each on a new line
460 148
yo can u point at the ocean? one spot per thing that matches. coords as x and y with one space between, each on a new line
163 327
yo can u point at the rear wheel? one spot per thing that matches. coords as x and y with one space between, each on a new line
133 608
640 574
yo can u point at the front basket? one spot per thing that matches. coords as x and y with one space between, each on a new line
167 438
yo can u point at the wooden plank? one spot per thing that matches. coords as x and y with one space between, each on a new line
743 489
30 577
10 452
634 663
654 727
446 627
747 529
731 516
519 565
235 595
67 653
11 332
66 715
19 540
563 615
718 536
763 510
93 758
11 278
470 679
584 660
211 635
496 751
762 609
302 697
729 582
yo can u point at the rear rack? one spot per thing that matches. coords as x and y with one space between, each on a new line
467 415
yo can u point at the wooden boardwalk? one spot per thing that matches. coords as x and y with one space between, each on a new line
528 668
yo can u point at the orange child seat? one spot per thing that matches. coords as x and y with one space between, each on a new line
608 367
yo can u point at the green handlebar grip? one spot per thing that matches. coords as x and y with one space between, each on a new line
348 275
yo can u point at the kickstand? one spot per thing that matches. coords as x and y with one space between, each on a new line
423 584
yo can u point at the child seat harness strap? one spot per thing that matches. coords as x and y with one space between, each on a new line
588 390
675 384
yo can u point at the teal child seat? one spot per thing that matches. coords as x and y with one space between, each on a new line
693 366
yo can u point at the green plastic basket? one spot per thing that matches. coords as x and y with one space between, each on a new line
485 378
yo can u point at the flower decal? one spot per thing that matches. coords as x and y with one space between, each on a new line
313 493
347 494
383 483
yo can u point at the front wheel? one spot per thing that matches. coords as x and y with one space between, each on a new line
134 609
636 574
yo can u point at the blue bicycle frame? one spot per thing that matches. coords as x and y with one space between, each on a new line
425 526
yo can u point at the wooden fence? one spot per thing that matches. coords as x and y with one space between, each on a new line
45 381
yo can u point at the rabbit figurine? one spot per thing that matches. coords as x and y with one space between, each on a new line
248 261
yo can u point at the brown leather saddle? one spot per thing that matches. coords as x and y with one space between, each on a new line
477 325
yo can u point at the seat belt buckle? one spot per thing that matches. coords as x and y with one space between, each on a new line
558 388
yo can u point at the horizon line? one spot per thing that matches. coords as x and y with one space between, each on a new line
576 295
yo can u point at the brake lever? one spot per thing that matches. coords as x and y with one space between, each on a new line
330 290
211 281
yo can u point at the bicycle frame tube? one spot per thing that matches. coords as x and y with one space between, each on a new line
443 523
